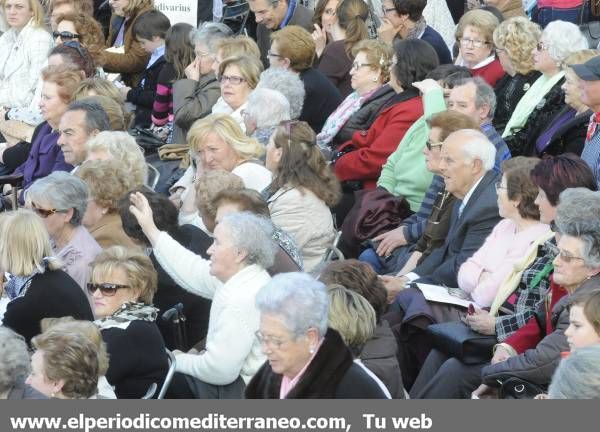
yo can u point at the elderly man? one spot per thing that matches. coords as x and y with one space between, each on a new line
589 75
266 109
274 15
82 120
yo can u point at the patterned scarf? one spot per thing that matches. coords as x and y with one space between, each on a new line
17 285
128 312
417 30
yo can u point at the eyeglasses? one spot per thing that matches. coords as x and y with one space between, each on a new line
76 45
386 11
107 289
541 46
269 341
44 213
272 54
498 185
65 35
499 50
431 144
235 80
356 65
566 257
472 42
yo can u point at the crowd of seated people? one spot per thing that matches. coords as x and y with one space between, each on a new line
209 212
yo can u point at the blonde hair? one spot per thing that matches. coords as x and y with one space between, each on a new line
580 57
108 181
24 243
209 185
237 46
297 45
229 131
39 16
518 36
485 22
352 316
138 268
122 147
100 86
379 56
250 68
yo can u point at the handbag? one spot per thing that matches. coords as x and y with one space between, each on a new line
146 139
589 25
456 339
517 388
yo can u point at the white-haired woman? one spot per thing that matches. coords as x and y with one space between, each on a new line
306 359
242 250
288 84
266 109
61 199
545 98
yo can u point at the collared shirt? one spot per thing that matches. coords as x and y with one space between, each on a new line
288 15
156 54
591 153
288 384
468 196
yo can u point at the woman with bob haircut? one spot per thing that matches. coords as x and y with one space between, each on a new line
64 366
305 358
34 283
61 200
303 190
122 287
14 367
23 52
242 250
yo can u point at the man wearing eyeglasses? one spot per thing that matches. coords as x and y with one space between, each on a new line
273 15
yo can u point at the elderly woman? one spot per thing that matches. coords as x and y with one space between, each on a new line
545 98
266 109
84 29
35 285
23 52
514 39
288 84
233 47
293 48
566 132
577 231
122 287
107 182
369 73
125 55
303 190
61 200
195 95
241 252
474 35
379 351
64 366
14 367
238 76
358 162
119 146
306 359
403 19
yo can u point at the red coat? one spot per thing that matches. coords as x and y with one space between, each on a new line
375 145
491 72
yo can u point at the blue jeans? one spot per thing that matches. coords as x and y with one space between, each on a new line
370 257
544 16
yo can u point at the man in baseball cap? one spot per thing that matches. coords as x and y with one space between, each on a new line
589 75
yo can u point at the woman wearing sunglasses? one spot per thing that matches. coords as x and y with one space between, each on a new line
34 283
122 287
84 29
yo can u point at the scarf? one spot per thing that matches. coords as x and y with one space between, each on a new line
532 99
17 285
417 31
128 312
594 120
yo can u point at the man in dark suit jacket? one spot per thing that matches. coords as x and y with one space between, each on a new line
272 15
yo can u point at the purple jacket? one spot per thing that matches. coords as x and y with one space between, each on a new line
44 157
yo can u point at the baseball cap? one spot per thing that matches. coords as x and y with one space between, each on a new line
589 71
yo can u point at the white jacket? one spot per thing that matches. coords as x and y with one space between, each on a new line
232 349
22 57
307 219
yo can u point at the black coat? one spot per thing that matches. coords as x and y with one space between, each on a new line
320 100
570 137
53 294
137 358
509 91
142 96
332 374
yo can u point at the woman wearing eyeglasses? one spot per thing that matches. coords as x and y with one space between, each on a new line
303 190
306 359
23 51
545 98
34 283
474 35
84 29
122 286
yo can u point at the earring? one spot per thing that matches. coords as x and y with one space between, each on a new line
312 350
374 79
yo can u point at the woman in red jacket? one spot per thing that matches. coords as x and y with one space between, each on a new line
358 162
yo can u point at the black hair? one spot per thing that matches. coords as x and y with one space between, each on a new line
415 59
150 24
95 116
412 8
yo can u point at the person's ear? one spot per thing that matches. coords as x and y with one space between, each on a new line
477 165
68 215
483 112
313 339
286 63
240 255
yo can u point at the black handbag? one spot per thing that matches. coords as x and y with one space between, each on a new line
588 22
517 388
147 140
459 340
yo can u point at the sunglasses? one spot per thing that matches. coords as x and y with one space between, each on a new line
65 35
44 213
77 46
107 289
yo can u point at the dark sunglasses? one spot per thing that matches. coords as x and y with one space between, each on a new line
65 35
44 213
107 289
77 46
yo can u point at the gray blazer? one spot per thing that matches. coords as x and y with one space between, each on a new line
465 236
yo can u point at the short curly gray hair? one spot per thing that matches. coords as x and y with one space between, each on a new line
287 83
14 359
577 216
267 107
253 234
299 299
62 191
210 32
563 39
